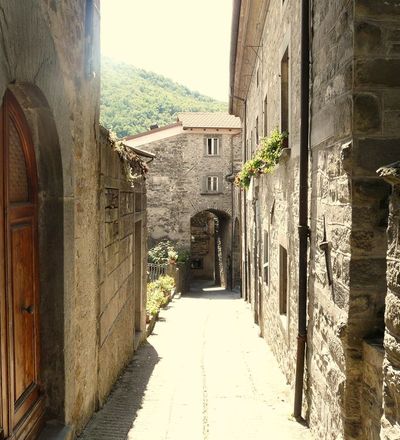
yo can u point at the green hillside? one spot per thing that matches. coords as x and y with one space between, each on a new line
132 99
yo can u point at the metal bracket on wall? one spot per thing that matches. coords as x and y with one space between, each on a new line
272 211
324 246
255 51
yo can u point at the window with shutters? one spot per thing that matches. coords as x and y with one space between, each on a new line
283 274
266 258
212 146
285 94
212 184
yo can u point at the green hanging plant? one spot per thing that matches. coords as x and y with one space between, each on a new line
264 160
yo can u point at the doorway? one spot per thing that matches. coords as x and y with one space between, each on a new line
22 403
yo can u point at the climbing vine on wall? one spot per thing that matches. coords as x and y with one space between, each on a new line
265 159
135 167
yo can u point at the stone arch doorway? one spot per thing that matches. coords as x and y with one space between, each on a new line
43 158
22 396
210 249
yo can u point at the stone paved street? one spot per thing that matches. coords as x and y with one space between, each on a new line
204 374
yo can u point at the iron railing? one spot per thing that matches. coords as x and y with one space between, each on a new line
154 271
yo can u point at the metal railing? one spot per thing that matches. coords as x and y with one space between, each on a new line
154 271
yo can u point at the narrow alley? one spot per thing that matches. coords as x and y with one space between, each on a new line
202 374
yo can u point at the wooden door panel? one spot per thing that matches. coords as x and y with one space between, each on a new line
21 403
22 278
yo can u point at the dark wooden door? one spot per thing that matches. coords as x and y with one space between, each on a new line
21 395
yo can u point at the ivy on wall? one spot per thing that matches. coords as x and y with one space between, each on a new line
264 160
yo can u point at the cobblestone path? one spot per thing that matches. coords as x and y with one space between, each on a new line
204 374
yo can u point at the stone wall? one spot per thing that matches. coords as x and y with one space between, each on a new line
55 77
272 200
376 143
176 186
49 59
121 211
176 183
354 103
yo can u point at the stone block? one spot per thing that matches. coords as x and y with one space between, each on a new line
368 192
392 313
111 198
377 72
111 215
391 122
111 250
126 225
126 202
111 232
368 38
392 349
368 242
368 272
389 9
391 99
371 154
367 113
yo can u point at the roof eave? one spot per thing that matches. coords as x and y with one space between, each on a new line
234 41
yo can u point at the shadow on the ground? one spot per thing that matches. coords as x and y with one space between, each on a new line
116 417
207 290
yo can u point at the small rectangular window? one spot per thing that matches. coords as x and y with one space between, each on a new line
266 258
257 135
283 272
285 93
265 116
212 183
212 146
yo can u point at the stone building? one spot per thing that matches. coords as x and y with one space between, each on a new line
190 188
73 241
315 227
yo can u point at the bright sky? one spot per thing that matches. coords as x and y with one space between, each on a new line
185 40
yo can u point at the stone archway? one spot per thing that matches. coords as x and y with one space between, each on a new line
211 246
51 242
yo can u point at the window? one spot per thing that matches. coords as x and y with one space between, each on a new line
196 263
257 136
212 183
285 92
265 116
266 258
212 146
283 281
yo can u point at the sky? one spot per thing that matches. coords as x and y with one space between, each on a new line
185 40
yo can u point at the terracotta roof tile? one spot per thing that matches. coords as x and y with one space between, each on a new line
208 120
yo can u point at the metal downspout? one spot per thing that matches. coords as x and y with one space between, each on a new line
303 207
245 293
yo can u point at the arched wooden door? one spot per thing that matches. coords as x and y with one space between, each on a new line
21 396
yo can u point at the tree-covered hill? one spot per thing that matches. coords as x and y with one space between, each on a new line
132 99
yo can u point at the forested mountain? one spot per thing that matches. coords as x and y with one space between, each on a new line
132 99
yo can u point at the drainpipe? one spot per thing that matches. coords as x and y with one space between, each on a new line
245 293
303 206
